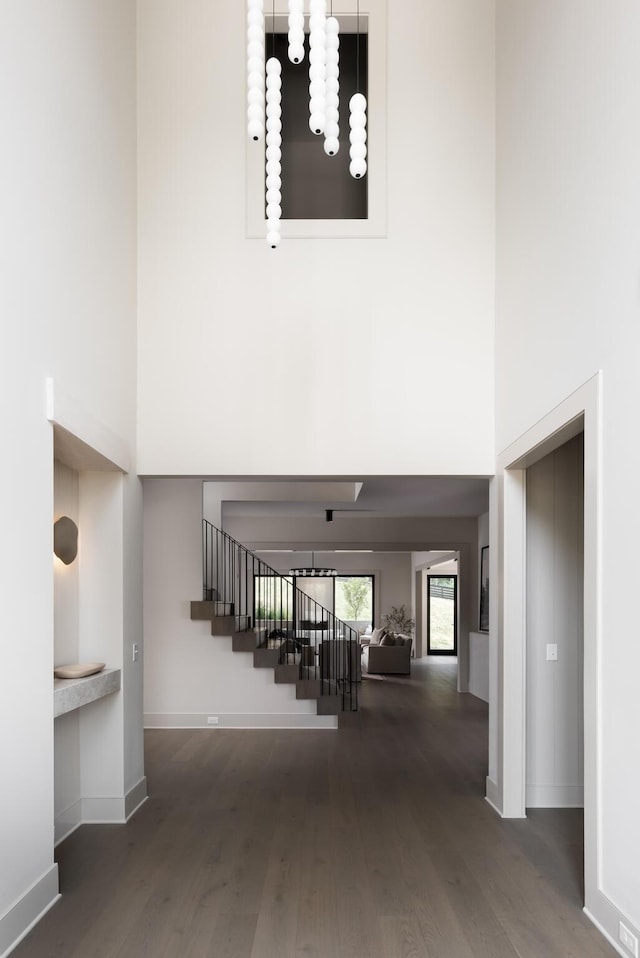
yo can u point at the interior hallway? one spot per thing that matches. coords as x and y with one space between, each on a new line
371 842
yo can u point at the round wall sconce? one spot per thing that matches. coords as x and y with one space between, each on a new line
65 539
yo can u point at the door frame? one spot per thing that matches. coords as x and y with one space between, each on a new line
580 412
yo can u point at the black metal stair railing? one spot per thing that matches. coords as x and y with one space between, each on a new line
281 616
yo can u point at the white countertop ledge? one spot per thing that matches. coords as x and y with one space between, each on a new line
70 694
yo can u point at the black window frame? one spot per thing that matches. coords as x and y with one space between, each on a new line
450 652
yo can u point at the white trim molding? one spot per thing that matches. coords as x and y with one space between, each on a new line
21 917
71 416
554 796
100 811
239 720
581 411
135 798
67 821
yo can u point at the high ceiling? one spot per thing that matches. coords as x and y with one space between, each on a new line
383 497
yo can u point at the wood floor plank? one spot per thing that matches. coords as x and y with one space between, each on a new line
402 938
477 919
317 926
370 842
276 927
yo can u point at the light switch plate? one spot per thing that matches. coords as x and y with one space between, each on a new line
552 653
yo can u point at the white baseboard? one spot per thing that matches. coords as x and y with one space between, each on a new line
135 797
67 821
237 720
103 811
554 796
100 811
493 795
602 912
479 692
20 918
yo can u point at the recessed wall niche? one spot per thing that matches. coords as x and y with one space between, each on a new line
66 494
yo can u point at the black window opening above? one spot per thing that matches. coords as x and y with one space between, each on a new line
314 185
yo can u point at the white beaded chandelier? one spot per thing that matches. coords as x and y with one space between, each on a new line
264 110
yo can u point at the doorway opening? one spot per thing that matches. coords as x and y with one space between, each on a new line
578 414
442 615
555 628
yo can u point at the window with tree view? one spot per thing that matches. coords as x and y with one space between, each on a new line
354 600
273 601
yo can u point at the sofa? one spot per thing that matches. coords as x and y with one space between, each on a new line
387 653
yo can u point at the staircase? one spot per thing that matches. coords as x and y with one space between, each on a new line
284 628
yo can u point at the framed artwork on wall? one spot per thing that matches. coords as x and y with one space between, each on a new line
484 589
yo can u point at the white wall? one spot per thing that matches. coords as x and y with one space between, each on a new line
479 665
568 249
190 674
67 248
233 322
555 728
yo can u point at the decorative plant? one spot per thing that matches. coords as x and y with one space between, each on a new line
398 620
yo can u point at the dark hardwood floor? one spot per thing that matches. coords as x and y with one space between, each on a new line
371 842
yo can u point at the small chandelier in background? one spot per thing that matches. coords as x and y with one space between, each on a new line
311 572
324 94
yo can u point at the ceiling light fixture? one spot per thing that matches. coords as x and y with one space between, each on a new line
332 86
324 94
273 156
358 120
255 69
307 572
296 31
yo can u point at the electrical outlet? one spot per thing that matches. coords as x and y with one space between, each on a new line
629 940
213 720
552 653
135 652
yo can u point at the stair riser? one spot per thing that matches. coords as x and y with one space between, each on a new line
265 658
207 610
202 611
308 689
285 674
243 642
329 705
